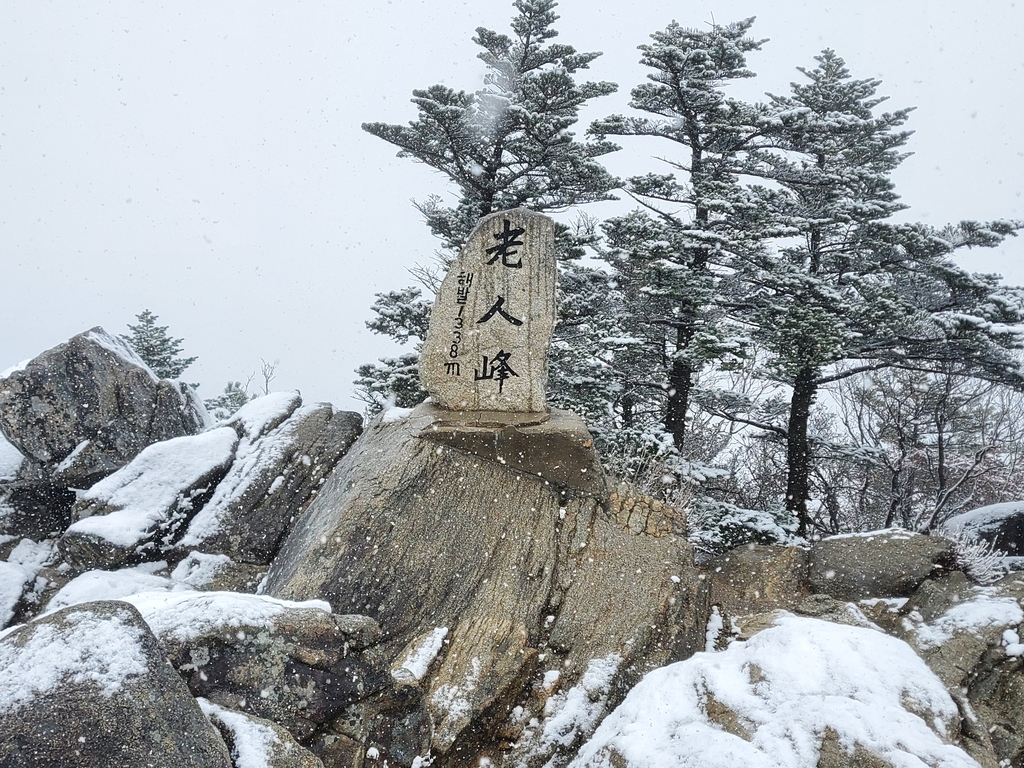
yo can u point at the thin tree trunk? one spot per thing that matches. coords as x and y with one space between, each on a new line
798 450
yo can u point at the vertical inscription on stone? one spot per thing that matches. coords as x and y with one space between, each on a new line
490 328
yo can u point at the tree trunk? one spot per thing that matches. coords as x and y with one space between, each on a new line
680 382
798 450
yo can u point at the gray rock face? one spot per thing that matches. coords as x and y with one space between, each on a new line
138 512
298 665
492 579
105 696
884 564
490 326
275 473
88 406
755 578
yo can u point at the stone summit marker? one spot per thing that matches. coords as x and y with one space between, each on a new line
490 327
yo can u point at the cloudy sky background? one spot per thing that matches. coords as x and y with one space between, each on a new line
205 161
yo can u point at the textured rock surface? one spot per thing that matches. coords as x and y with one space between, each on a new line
491 324
138 512
756 577
276 472
528 578
254 741
299 666
86 407
889 563
89 686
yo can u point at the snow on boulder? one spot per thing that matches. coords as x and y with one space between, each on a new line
294 663
89 686
258 743
286 450
802 694
886 563
142 507
88 406
1000 524
18 576
11 460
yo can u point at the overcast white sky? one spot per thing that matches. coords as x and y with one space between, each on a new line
204 159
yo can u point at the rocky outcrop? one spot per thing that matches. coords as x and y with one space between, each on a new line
541 596
757 577
89 686
279 466
138 512
296 664
87 407
1001 525
890 563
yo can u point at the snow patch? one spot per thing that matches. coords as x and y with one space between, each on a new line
110 585
103 650
182 616
152 483
253 742
575 712
986 609
18 572
259 416
11 459
784 687
418 660
395 414
199 569
119 348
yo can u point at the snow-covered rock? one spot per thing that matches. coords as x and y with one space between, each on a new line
801 694
294 663
887 563
89 686
86 407
285 451
258 743
141 508
1000 524
18 575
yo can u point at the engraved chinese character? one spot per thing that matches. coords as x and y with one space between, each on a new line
507 241
497 309
496 368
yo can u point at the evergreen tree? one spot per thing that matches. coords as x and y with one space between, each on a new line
673 258
505 145
234 396
848 290
157 349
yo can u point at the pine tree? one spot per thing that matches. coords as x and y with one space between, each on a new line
234 396
505 145
848 290
672 259
157 349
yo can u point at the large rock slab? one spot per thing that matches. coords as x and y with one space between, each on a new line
294 663
889 563
89 686
279 466
85 408
138 512
540 595
491 323
756 577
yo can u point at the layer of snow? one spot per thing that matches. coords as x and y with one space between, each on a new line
182 616
893 534
258 416
986 609
110 585
11 460
256 454
576 711
152 484
395 414
785 686
253 741
194 572
18 572
984 517
15 368
103 650
120 348
418 660
199 569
